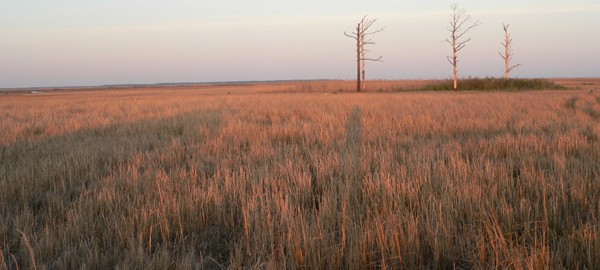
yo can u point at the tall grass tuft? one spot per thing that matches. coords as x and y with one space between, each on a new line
571 103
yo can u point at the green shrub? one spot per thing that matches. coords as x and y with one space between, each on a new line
496 84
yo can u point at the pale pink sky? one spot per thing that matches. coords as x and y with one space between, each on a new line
66 43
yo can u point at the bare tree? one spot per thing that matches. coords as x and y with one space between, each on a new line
361 36
508 52
460 24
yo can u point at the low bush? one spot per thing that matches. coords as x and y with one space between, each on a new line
571 103
496 84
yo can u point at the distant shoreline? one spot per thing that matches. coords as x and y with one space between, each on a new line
38 90
150 85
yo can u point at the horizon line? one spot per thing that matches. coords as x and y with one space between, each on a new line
241 82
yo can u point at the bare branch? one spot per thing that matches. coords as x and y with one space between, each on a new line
460 45
501 55
379 59
353 36
517 65
374 32
463 32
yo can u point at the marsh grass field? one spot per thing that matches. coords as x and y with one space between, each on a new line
300 175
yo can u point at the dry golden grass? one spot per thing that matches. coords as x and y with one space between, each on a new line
255 177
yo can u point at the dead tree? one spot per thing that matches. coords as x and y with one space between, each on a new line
508 52
361 36
460 24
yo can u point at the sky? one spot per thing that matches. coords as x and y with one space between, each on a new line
86 43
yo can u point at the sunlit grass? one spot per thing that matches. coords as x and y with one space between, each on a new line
243 179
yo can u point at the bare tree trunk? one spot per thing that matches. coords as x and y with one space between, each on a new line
507 64
455 73
460 24
362 31
508 52
364 79
358 66
358 57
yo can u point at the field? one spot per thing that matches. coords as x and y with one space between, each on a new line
300 175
